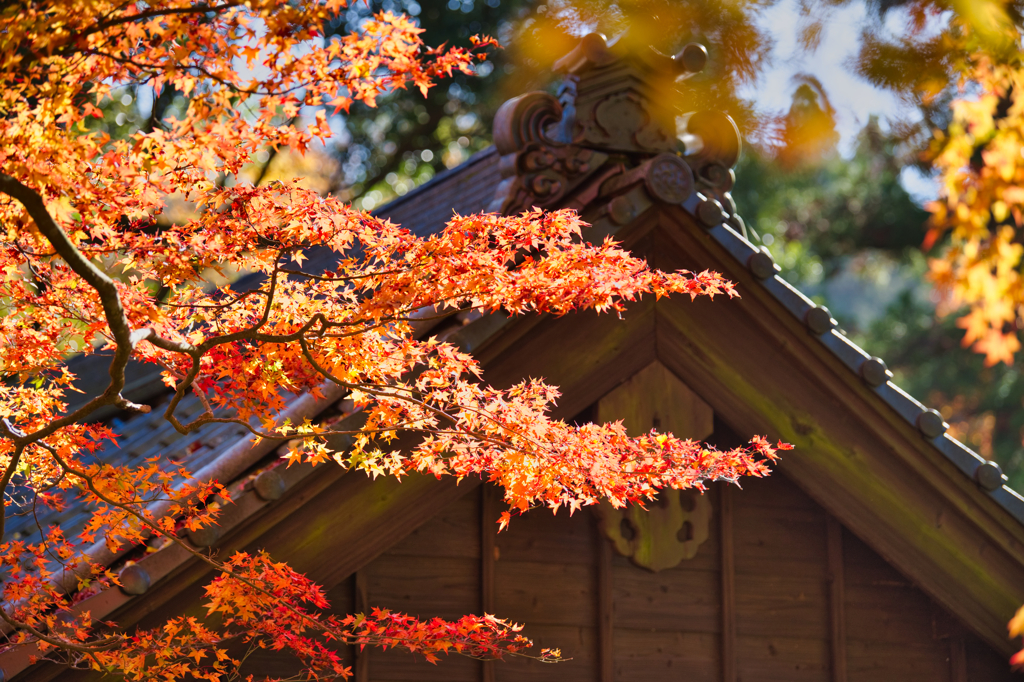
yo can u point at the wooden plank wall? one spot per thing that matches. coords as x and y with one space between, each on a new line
782 606
792 620
434 572
668 624
546 576
891 625
758 603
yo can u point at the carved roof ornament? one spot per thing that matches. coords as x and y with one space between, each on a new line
612 141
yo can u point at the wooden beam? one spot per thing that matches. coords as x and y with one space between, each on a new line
957 656
488 528
836 598
605 608
361 603
728 573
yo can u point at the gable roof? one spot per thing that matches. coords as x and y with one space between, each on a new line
772 362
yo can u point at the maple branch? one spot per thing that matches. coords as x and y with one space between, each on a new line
234 87
110 299
197 352
149 14
218 306
109 642
166 344
400 426
411 398
72 39
271 155
311 620
350 278
8 474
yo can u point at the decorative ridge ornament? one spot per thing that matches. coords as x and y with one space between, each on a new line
592 146
523 120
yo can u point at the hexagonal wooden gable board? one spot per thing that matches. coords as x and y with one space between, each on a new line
655 398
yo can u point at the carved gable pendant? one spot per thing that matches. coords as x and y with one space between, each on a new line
671 529
674 526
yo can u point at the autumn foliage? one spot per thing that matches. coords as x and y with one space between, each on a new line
980 160
983 172
92 264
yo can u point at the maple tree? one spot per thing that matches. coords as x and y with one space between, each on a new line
982 167
91 266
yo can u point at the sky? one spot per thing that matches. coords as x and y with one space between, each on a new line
853 98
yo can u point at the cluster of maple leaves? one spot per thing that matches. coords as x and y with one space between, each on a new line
980 161
90 263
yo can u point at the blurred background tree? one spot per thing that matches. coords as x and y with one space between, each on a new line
835 213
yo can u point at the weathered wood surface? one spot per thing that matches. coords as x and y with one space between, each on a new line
957 657
836 598
546 593
780 565
450 533
886 614
605 610
577 643
773 658
654 398
644 656
777 534
727 582
435 571
674 599
898 661
759 368
401 666
488 517
984 664
540 536
447 587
